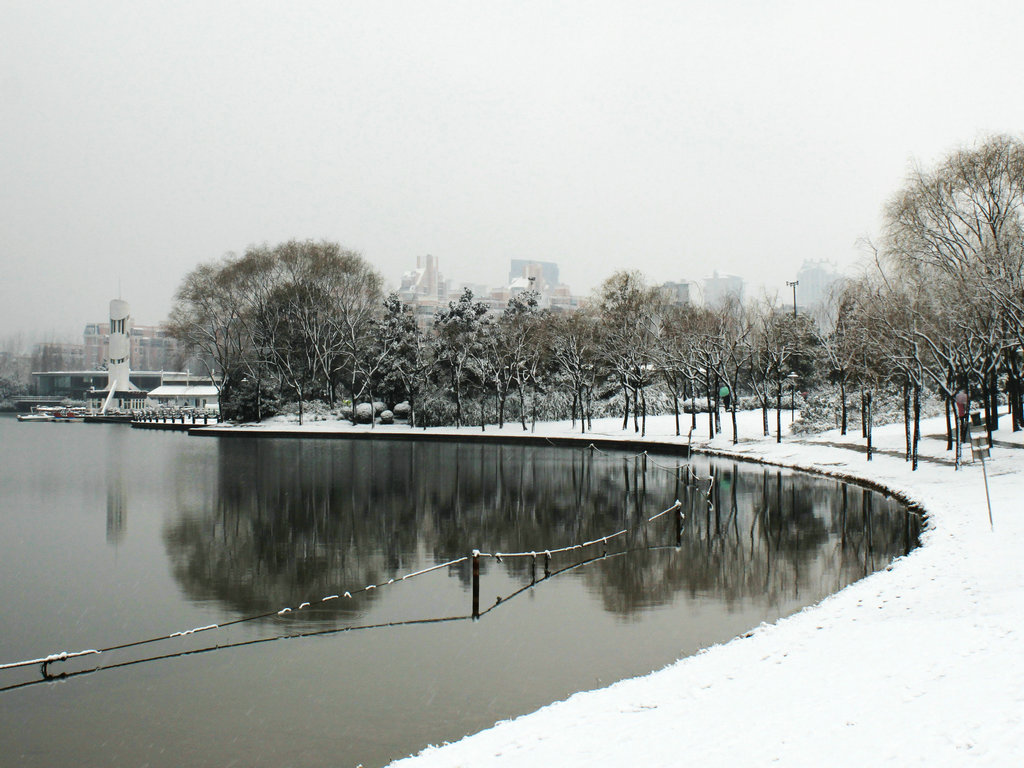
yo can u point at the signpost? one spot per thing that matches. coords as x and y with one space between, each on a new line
979 450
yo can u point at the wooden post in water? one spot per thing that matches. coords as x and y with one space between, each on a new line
476 583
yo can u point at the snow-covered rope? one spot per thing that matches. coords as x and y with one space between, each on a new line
348 594
333 630
64 655
574 547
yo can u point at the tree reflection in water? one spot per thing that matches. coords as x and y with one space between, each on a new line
285 521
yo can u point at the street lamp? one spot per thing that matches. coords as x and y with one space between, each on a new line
792 396
793 284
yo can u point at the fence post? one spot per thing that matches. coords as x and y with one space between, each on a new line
476 583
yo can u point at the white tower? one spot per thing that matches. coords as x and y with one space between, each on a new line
118 352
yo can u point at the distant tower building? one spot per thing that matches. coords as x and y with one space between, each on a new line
119 347
817 279
119 392
678 294
424 289
718 287
545 271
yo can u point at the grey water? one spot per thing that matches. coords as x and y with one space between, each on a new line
110 535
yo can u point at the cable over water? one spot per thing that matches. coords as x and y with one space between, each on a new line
45 661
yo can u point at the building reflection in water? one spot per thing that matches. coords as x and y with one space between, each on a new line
290 519
117 501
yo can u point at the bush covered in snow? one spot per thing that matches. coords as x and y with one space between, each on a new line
364 413
823 410
402 410
387 417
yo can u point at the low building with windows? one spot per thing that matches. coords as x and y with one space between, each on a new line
185 395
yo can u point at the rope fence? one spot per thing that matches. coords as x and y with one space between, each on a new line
45 661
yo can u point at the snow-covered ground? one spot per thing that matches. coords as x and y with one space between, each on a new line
920 664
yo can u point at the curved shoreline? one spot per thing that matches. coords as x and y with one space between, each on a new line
919 663
672 445
878 671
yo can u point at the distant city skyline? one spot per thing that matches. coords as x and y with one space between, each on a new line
676 139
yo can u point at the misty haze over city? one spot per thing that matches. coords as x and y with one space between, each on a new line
676 139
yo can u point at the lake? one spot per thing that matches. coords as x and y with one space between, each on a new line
113 535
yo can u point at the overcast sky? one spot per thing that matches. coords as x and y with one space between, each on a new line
140 139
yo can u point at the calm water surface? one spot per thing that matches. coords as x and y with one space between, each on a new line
110 535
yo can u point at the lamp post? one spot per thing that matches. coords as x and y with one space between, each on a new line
792 396
793 284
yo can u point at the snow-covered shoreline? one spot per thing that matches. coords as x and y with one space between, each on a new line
922 663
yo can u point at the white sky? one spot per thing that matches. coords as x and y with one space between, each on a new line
138 140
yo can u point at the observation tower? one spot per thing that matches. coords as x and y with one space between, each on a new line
119 391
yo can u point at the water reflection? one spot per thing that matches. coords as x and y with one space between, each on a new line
289 520
117 496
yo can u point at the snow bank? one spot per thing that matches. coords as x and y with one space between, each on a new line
920 664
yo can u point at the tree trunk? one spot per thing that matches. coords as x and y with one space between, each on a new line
693 406
675 402
718 415
993 423
906 417
458 399
778 413
959 439
987 399
917 423
522 406
583 423
625 405
842 399
867 421
711 415
590 407
636 407
1013 390
949 423
643 406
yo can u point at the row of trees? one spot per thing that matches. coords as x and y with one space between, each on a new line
944 301
308 320
938 311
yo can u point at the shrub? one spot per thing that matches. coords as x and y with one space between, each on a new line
364 413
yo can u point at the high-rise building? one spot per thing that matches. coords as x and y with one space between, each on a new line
152 348
816 282
718 288
542 271
424 289
678 293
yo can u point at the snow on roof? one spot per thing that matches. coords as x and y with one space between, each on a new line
182 390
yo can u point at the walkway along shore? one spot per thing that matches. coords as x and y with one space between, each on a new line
919 664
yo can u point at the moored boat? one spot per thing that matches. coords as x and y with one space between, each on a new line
34 416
